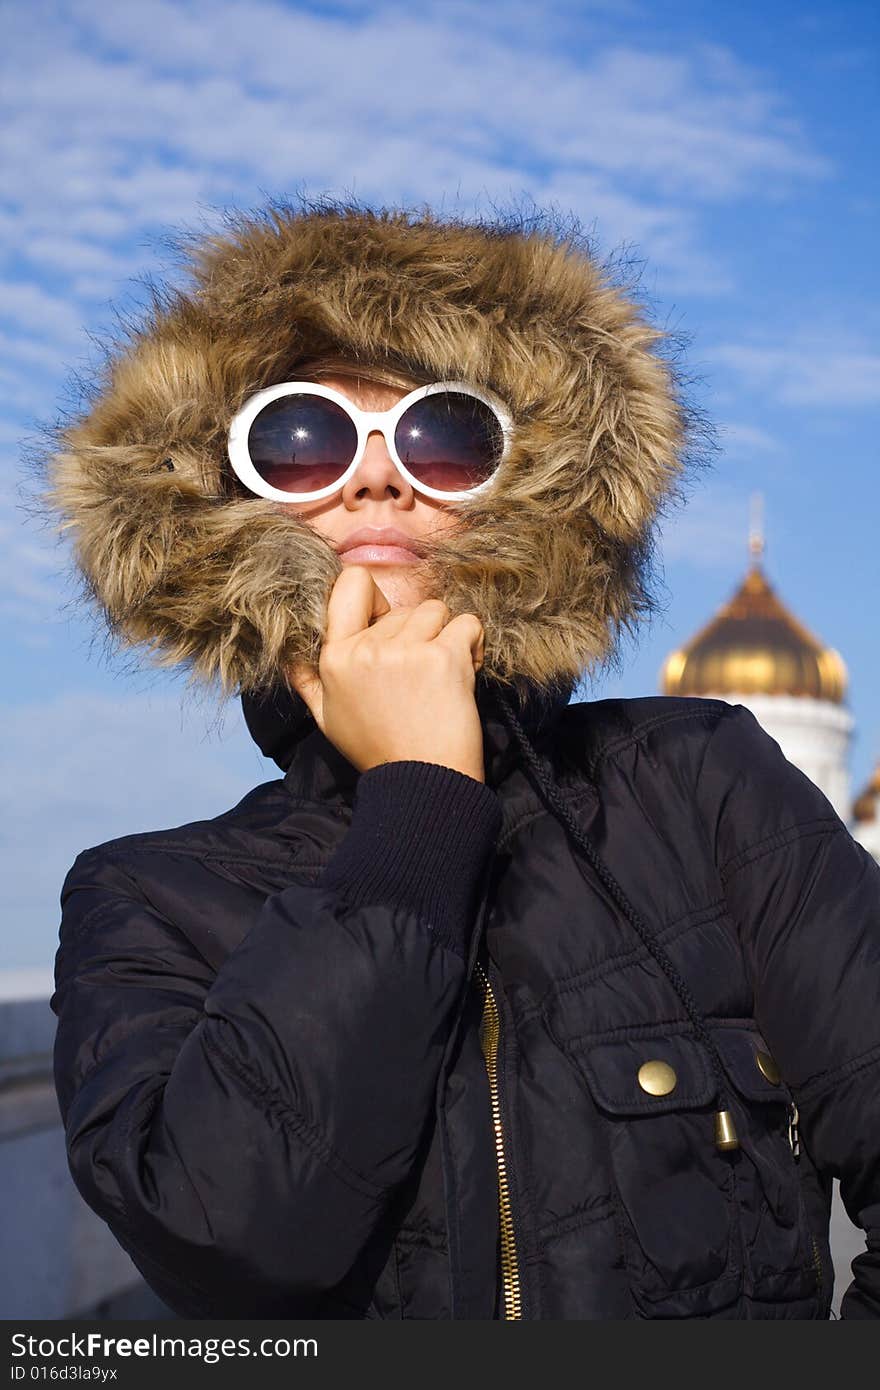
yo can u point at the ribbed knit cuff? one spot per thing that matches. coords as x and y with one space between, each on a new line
421 837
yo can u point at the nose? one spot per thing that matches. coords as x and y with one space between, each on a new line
377 474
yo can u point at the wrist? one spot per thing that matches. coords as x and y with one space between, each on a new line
421 837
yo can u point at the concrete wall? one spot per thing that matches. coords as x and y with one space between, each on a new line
59 1260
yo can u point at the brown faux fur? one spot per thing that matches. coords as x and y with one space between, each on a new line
191 568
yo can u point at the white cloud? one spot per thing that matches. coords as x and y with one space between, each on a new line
709 531
123 117
32 307
698 121
811 370
743 441
30 594
671 232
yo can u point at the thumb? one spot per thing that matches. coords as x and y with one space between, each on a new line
307 684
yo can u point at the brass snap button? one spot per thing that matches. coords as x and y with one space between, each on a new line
657 1078
767 1067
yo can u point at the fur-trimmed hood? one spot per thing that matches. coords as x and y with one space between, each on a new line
555 559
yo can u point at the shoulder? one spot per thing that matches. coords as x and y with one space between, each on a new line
254 828
686 757
595 730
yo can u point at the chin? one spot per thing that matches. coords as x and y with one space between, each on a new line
402 590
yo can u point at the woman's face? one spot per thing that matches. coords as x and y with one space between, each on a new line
377 497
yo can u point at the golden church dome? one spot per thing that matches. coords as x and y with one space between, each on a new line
755 646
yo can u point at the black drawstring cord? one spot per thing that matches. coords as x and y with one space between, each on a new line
724 1129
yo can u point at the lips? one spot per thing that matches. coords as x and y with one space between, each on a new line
379 555
379 538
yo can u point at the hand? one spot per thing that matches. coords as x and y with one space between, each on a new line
396 684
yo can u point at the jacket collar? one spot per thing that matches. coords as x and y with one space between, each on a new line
283 728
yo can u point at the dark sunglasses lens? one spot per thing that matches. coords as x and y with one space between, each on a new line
450 441
301 443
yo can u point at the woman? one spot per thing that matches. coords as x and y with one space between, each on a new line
493 1006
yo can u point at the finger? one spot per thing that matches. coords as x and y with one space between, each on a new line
355 601
467 630
401 617
390 623
422 622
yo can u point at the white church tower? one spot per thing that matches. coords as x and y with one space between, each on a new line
754 652
866 815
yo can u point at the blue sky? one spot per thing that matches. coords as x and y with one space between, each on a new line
730 149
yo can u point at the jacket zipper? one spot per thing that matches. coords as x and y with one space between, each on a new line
490 1031
794 1139
794 1135
817 1263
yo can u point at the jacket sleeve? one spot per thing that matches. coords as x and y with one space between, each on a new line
241 1131
806 900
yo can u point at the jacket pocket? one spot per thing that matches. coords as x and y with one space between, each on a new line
675 1190
780 1256
702 1228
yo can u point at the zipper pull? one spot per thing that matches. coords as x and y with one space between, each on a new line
725 1131
794 1135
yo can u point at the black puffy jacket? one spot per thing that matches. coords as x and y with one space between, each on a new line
587 1041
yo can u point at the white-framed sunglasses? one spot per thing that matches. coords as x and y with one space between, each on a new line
299 441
